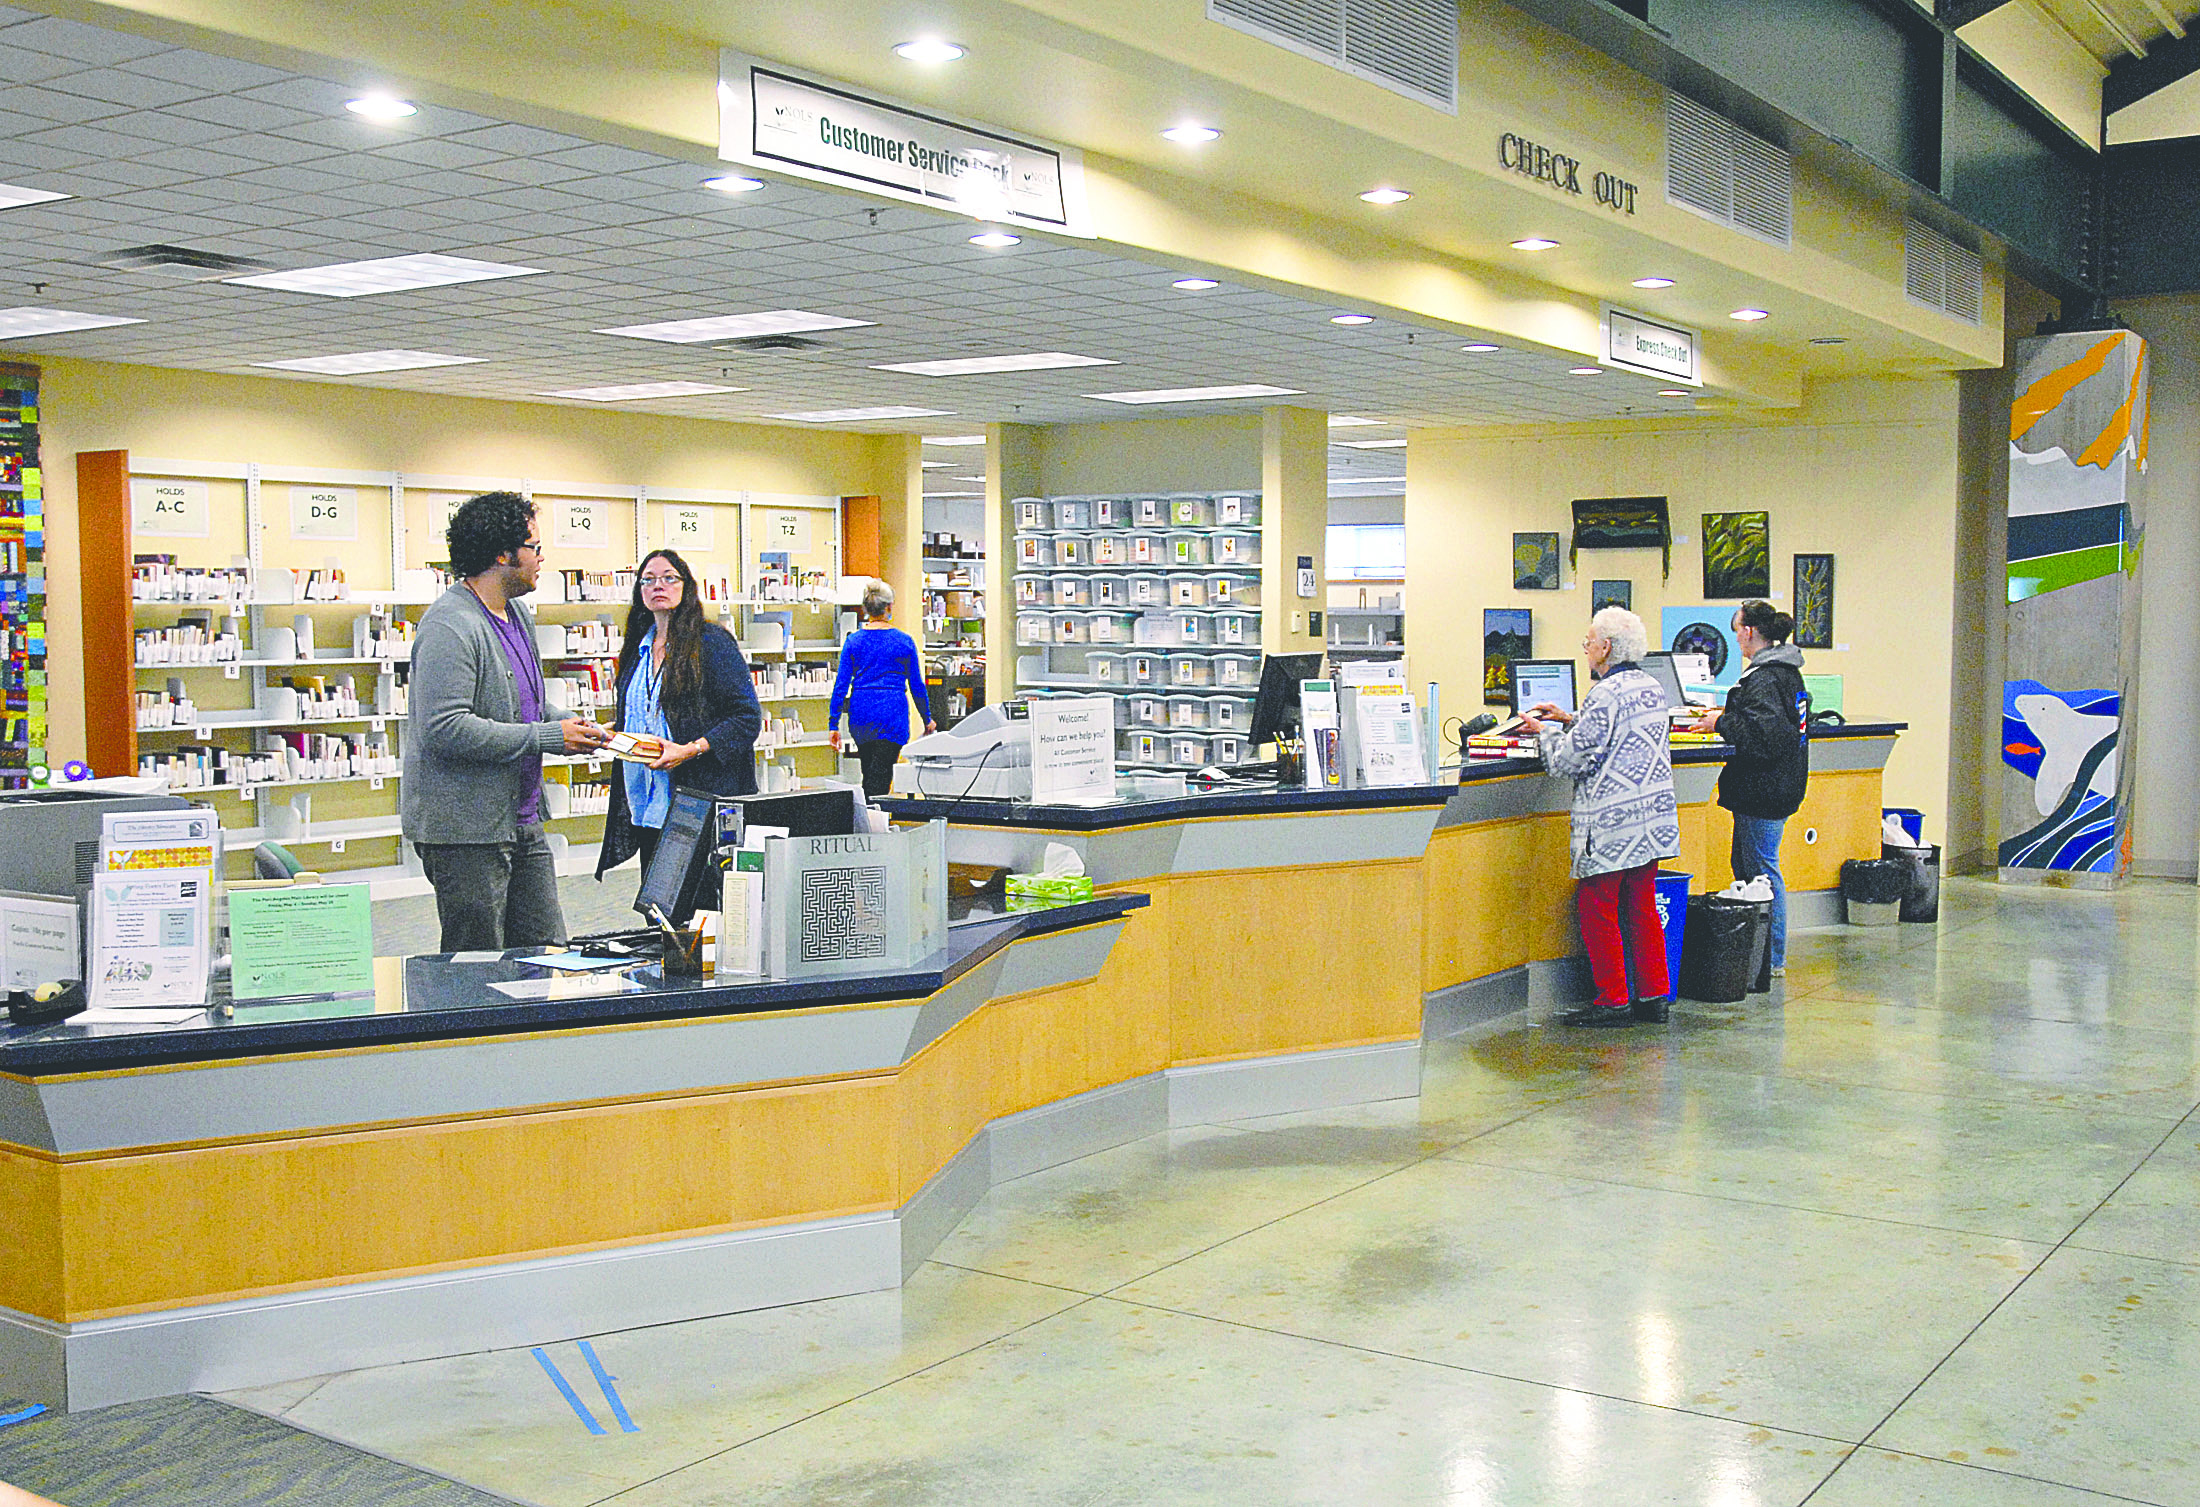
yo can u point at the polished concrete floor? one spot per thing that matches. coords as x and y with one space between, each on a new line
1923 1229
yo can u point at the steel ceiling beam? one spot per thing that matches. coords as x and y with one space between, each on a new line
1957 14
2133 79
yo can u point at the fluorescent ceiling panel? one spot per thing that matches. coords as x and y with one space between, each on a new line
859 415
358 363
388 274
972 366
631 392
12 197
1197 394
954 439
954 494
735 326
16 324
1349 421
1373 444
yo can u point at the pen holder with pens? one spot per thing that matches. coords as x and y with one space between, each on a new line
683 952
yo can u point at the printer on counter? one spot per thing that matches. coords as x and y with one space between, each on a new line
986 756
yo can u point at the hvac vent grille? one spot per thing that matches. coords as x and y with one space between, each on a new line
1411 46
1724 173
1943 275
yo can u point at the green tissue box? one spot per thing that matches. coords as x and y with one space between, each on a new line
1044 887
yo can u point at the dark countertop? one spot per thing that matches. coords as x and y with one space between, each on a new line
444 1000
1272 800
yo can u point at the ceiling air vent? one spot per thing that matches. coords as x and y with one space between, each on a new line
1724 173
1411 46
1943 275
178 261
767 343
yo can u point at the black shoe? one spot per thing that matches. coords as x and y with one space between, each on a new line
1598 1015
1652 1012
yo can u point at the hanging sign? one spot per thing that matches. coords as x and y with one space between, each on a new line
582 525
1650 346
324 513
774 117
691 526
784 531
169 509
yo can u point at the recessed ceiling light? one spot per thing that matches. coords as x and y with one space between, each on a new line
1352 319
1585 371
1829 340
1386 196
1192 134
1675 392
930 50
12 197
358 363
859 415
729 185
971 366
735 326
380 106
387 274
1373 444
1197 394
1749 316
15 324
1653 282
995 239
1195 284
629 392
1535 243
954 439
1350 421
1479 346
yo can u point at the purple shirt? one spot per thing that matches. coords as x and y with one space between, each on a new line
527 674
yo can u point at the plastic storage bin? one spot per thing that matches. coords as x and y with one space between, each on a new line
1111 512
1236 627
1237 669
1233 588
1188 711
1150 512
1225 749
1034 549
1106 667
1111 549
1070 628
1111 591
1034 514
1187 750
1069 549
1149 709
1033 590
1146 669
1072 513
1148 548
1191 670
1229 714
1187 591
1147 589
1034 628
1071 590
1187 627
1109 626
1187 548
1235 546
1237 507
1192 512
1146 748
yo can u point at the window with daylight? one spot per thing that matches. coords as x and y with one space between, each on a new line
1366 551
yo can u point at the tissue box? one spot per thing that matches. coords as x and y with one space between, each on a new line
1050 887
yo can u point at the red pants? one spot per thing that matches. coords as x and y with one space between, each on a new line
1619 923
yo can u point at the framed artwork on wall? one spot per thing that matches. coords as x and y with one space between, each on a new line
1508 633
1535 562
1814 601
1737 555
1603 594
1623 523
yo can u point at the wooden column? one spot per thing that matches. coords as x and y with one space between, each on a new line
103 589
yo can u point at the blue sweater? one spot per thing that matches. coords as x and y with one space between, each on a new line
875 665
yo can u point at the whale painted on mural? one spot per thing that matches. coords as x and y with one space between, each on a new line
2065 744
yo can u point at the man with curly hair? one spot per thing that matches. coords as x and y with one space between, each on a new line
475 736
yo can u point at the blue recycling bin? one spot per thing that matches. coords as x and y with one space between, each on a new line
1673 917
1913 822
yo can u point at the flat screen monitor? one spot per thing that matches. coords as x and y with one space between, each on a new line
1276 708
675 871
1658 665
1536 681
804 813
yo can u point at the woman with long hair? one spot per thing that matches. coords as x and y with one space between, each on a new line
683 681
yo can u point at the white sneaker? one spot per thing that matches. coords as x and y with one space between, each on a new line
1780 972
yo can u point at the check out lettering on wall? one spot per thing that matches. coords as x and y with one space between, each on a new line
1532 159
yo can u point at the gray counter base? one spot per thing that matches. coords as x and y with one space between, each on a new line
260 1341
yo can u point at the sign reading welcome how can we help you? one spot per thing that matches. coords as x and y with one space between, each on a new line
774 117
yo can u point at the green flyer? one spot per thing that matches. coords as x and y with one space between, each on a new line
304 939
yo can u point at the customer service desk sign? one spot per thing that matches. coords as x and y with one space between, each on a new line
1072 749
790 122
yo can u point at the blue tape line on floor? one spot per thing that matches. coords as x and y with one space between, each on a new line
566 1389
604 1379
28 1413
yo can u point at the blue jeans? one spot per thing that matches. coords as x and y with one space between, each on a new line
1757 851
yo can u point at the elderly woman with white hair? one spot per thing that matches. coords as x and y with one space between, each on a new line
1615 749
880 674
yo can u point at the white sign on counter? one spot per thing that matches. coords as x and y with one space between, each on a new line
1072 749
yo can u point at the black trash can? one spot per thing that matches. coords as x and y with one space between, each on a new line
1724 938
1760 947
1921 892
1873 889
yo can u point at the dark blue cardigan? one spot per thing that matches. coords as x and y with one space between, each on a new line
729 717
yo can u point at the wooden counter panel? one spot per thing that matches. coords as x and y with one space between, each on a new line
30 1234
1469 927
1841 805
1553 931
206 1225
1295 960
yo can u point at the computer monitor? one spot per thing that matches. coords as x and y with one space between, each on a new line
1276 707
675 873
1536 681
1658 665
804 813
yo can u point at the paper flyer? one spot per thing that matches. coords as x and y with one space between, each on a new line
301 939
150 938
39 940
156 840
1390 743
1318 720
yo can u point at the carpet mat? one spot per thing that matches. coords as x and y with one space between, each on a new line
195 1452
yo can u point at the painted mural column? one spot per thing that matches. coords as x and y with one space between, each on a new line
2077 467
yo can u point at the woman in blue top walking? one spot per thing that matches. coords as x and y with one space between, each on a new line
879 674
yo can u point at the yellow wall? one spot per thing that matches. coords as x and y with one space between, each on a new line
1864 470
196 416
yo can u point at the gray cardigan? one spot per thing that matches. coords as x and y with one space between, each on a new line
1617 753
466 751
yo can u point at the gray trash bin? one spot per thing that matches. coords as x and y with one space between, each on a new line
1921 868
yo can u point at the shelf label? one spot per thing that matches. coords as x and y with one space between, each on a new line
336 845
375 724
582 525
229 672
324 513
170 509
691 526
203 733
375 783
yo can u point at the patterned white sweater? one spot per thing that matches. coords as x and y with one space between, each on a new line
1617 755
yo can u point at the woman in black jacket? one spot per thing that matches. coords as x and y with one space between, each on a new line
1767 721
681 680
